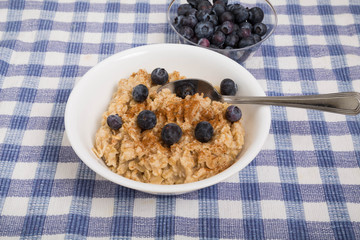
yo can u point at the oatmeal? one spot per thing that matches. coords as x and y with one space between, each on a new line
141 155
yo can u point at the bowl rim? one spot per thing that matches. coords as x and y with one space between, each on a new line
157 188
254 46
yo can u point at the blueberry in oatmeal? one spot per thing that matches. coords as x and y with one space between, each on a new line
114 121
185 89
233 113
159 76
171 133
228 87
204 131
146 120
140 93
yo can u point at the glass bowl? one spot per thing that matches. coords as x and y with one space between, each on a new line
240 55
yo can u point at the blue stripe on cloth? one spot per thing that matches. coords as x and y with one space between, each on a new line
209 225
287 170
4 66
82 6
340 219
42 185
251 207
10 147
45 25
354 128
109 29
165 220
122 222
79 215
141 27
335 48
318 129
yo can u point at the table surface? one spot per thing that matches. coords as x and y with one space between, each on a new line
304 184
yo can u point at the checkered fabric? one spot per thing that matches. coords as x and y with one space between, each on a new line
304 184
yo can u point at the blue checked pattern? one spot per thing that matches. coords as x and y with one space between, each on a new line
304 184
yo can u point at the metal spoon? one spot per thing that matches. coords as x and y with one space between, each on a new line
347 103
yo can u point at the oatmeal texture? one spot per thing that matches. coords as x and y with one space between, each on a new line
141 155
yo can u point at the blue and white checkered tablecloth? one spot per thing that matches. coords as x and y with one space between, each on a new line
304 184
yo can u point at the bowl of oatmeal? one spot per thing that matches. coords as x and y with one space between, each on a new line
140 157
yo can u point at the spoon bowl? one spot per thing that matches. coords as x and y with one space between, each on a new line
347 103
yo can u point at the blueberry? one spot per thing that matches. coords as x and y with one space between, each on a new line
244 32
230 7
226 16
214 46
177 21
185 89
189 20
236 27
140 93
256 37
204 5
183 9
146 119
256 15
223 2
218 9
186 31
192 12
218 38
231 40
241 15
228 87
194 39
202 16
245 42
194 3
204 29
114 121
227 27
171 133
260 29
213 19
204 131
246 25
159 76
233 113
204 42
237 8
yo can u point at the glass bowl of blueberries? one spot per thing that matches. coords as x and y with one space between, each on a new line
233 28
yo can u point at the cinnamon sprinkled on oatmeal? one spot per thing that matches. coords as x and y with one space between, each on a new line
142 156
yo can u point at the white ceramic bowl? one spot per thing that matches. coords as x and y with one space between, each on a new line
91 96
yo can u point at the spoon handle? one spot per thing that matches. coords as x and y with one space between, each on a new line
347 103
